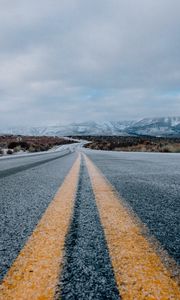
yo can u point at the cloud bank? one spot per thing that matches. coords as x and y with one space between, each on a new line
74 60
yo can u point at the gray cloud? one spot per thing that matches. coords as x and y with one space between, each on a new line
65 61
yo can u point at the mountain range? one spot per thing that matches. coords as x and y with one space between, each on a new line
169 126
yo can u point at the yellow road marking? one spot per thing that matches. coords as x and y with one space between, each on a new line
138 270
35 273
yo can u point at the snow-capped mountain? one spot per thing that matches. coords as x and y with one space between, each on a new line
155 127
169 126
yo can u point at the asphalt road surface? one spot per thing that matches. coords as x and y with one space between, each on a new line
27 186
148 184
86 243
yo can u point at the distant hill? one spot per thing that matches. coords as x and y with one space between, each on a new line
169 126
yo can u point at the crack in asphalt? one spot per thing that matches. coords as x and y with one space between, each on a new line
87 272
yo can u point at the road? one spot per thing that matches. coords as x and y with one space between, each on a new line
85 224
27 185
150 184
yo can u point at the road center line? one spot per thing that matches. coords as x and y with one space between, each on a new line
138 270
87 272
35 273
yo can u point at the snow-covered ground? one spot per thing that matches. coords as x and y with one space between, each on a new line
71 147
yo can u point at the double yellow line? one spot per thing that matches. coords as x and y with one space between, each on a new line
138 270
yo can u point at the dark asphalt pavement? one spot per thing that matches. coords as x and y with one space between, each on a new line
150 184
87 271
25 161
27 186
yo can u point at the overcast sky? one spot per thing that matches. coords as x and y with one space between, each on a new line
74 60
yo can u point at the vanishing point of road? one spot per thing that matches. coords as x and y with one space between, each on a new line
84 224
